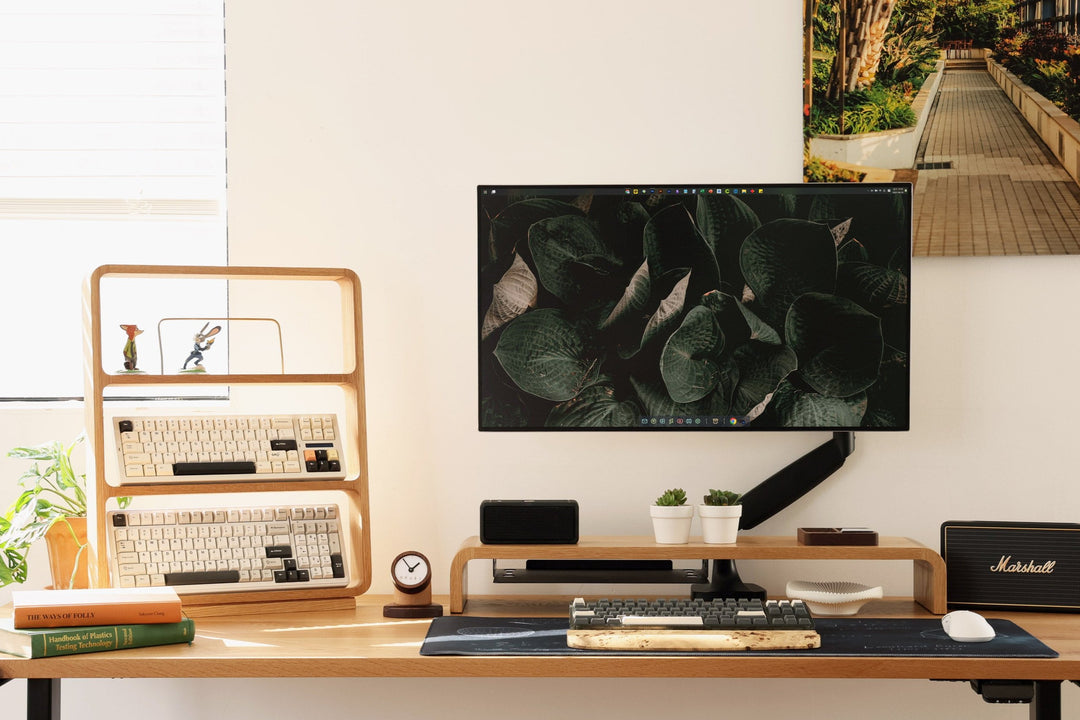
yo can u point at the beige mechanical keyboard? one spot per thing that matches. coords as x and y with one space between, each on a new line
228 448
228 549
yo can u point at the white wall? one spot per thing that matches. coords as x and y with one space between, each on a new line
358 131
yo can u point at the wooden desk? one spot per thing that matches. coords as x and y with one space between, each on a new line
362 643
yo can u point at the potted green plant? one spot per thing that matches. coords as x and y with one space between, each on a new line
52 505
672 517
720 513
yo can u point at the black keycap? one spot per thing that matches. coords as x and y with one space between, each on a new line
126 426
334 466
337 565
279 551
119 520
283 445
290 564
303 575
213 468
202 578
312 466
279 576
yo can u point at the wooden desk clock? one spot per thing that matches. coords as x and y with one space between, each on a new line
411 573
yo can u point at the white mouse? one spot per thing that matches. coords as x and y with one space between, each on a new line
967 626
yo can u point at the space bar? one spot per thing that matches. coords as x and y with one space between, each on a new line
213 468
205 577
671 621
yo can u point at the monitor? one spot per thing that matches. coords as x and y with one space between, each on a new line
694 307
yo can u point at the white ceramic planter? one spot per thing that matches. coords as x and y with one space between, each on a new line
720 523
671 523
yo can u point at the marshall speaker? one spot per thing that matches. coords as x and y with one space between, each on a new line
529 522
1011 565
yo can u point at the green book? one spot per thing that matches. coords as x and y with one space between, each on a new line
49 642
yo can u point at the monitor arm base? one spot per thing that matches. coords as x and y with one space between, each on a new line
726 583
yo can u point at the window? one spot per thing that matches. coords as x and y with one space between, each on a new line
112 150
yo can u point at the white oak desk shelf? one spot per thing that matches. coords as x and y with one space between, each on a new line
928 567
350 380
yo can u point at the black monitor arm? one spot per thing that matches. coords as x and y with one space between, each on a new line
769 497
775 493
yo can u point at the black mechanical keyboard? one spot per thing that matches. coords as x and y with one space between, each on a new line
228 448
691 624
719 614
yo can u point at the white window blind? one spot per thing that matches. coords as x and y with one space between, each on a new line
112 150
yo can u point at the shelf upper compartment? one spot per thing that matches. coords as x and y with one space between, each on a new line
287 325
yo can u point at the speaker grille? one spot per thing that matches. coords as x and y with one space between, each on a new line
526 523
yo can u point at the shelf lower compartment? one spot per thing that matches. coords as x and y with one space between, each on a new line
602 573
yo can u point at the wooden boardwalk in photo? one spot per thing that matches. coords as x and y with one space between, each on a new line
1003 192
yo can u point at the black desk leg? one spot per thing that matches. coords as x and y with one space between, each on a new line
43 699
1046 705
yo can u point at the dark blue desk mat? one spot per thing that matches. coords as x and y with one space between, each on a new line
461 635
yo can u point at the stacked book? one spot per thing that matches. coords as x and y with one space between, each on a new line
46 623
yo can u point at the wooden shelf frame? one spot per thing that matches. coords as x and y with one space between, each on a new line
354 488
929 581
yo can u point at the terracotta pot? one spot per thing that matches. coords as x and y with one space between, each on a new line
63 547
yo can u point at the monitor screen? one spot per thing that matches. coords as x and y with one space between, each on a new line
694 307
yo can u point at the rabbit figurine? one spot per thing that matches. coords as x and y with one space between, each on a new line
203 336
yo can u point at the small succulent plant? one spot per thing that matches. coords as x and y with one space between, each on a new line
722 497
671 498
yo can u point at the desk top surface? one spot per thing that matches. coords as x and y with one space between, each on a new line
363 643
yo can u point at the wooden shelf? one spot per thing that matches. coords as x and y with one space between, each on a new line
238 379
928 567
354 512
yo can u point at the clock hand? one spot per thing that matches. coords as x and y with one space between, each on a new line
412 567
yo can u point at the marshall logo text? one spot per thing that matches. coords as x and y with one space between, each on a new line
1005 565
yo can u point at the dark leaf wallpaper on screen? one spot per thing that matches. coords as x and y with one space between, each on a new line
610 310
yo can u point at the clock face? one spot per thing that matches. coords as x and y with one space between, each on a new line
410 570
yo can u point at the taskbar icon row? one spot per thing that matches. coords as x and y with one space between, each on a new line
694 421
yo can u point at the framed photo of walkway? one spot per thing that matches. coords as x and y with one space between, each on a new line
975 102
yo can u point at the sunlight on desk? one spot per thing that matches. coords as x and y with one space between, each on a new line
307 628
227 642
400 644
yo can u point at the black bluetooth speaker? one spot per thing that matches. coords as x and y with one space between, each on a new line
1012 565
529 522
